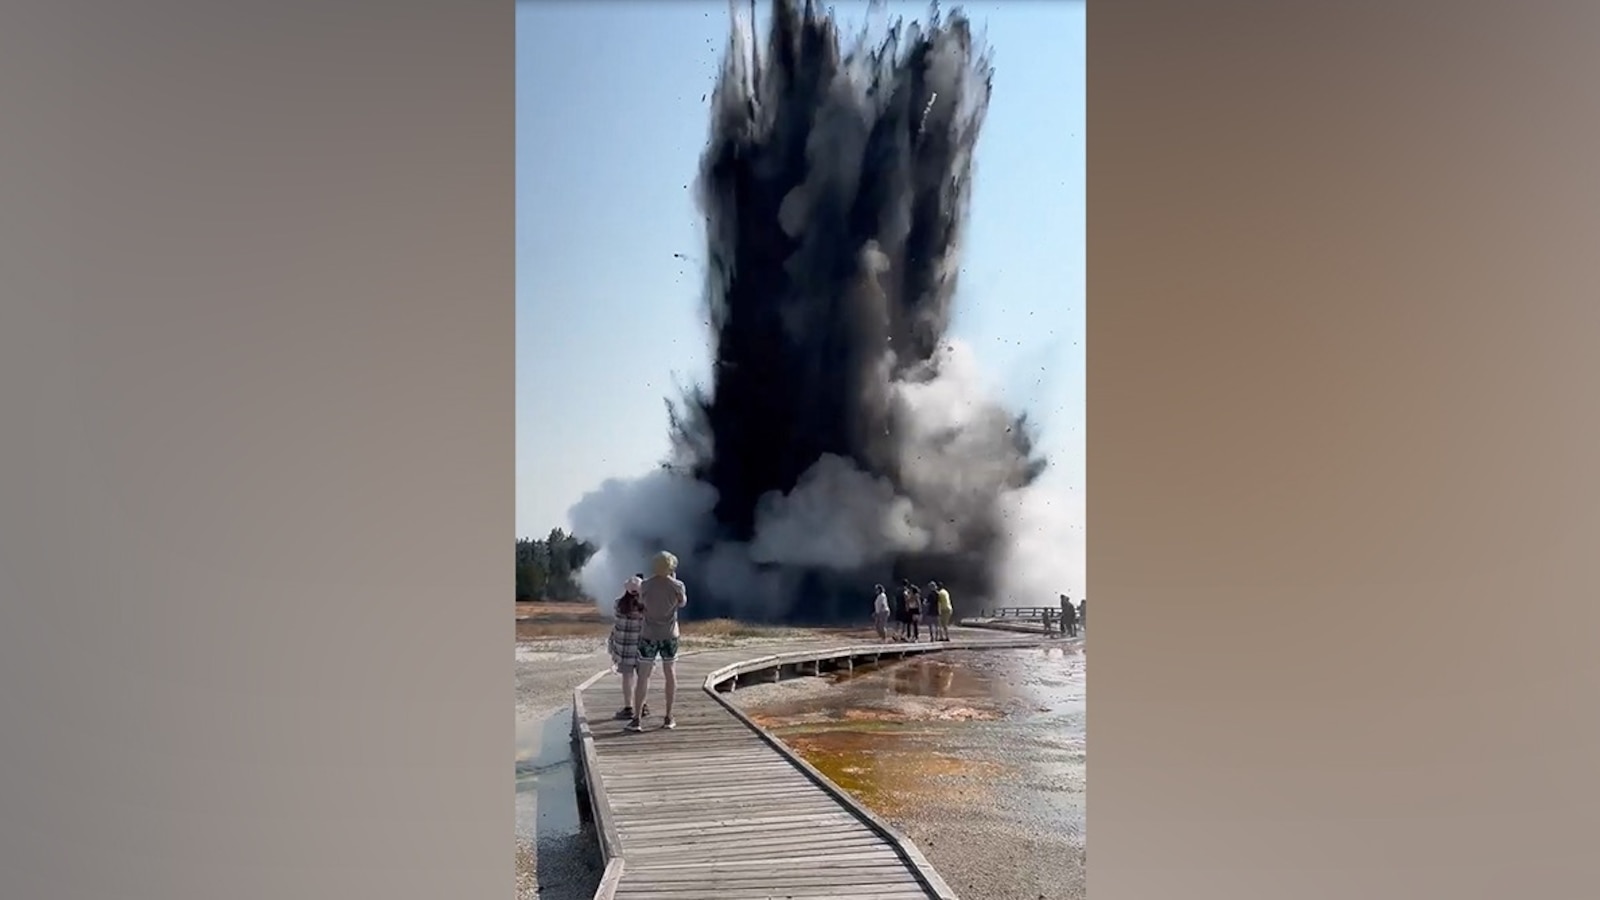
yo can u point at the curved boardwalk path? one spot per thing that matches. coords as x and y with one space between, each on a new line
718 809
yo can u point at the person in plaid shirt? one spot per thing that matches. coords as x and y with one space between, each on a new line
627 621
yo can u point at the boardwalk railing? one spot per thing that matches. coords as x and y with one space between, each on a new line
1046 619
1019 612
816 840
592 794
775 668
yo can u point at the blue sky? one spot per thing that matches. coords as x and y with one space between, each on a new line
610 124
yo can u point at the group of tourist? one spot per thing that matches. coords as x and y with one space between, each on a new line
644 630
913 611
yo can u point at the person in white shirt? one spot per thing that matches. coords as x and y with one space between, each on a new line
880 613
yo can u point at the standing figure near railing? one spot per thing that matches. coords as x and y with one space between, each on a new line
946 611
1069 617
911 601
880 612
902 624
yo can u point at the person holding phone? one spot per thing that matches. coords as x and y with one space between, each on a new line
662 595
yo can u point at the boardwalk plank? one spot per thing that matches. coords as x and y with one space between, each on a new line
818 892
769 848
723 874
637 813
649 869
750 826
779 881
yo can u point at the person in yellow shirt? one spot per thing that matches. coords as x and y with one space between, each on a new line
946 613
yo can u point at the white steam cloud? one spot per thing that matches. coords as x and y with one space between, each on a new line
954 448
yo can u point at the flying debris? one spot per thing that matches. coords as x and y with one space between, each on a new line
843 439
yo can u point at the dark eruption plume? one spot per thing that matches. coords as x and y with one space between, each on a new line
843 439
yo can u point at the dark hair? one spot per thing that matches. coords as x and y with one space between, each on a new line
629 605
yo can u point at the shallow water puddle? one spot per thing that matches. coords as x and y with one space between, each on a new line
887 770
939 730
547 802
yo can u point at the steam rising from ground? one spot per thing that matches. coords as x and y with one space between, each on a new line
844 438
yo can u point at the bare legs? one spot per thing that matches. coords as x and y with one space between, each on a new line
669 683
641 685
628 679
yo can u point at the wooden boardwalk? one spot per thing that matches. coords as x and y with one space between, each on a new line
718 809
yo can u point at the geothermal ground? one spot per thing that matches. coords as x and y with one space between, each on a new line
928 743
977 756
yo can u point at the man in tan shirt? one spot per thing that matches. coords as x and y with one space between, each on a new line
662 595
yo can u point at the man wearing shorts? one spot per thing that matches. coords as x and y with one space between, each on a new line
662 595
946 612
